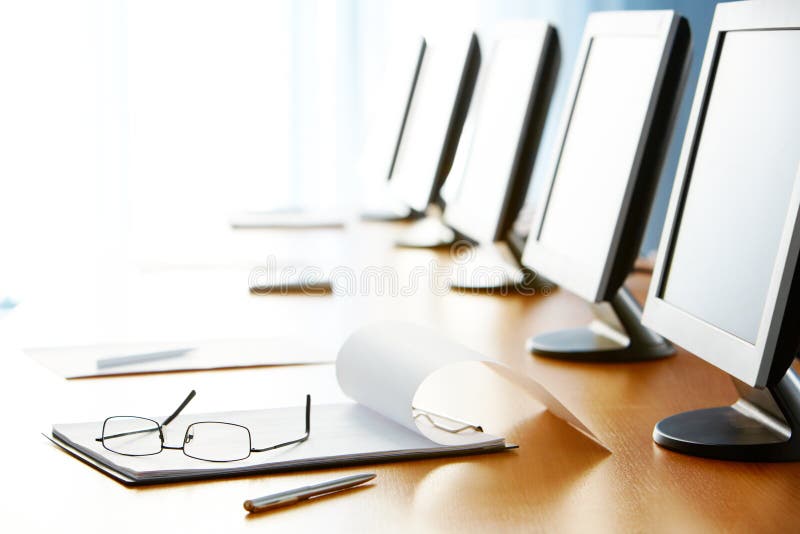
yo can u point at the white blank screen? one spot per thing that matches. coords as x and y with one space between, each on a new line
499 117
427 122
600 147
738 196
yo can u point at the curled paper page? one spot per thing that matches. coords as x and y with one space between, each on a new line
382 366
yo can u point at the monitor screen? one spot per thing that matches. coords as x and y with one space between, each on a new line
745 166
429 114
499 116
599 148
387 113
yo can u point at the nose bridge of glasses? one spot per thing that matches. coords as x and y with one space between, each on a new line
187 437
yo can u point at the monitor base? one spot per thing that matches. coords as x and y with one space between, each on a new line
493 269
499 282
616 335
762 426
428 232
389 213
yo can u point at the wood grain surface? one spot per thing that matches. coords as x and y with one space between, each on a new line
557 481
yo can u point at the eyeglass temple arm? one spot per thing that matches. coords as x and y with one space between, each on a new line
299 440
180 408
123 434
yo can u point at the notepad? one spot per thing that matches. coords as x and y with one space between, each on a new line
380 367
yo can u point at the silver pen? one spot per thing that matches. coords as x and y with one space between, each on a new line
286 498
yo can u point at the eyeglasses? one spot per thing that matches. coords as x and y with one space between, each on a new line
211 441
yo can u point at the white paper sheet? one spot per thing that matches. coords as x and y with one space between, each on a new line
81 361
383 365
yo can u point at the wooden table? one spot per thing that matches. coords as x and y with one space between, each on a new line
556 481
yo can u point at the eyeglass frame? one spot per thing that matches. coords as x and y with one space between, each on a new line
187 438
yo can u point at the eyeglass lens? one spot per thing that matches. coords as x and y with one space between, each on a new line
134 436
217 442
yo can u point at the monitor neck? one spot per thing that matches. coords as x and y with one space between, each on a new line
616 335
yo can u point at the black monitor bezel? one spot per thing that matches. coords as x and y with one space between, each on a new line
598 285
766 361
515 184
455 124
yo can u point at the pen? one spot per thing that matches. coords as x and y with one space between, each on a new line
114 361
285 498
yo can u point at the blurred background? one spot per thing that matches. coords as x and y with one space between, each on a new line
132 129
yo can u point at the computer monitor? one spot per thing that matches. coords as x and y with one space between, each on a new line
614 133
726 284
507 115
435 118
387 119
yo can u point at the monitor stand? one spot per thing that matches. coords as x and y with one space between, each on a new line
616 335
762 426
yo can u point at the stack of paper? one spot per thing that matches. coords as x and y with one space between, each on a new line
380 367
341 434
